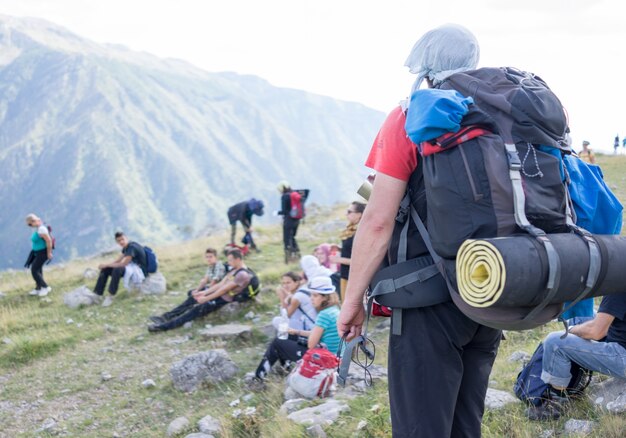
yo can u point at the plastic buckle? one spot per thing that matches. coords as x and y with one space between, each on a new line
514 161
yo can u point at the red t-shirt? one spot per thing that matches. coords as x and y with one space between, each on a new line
393 153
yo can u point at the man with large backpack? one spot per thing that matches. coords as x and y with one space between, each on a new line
292 210
440 361
243 212
239 284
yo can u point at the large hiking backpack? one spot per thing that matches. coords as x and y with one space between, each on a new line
530 389
253 288
467 178
53 239
498 173
152 261
315 375
297 205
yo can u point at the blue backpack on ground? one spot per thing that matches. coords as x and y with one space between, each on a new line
152 262
530 389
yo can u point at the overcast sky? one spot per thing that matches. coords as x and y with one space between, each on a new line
355 49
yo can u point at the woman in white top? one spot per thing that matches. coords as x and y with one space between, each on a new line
297 302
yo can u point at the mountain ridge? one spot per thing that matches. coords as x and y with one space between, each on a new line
93 143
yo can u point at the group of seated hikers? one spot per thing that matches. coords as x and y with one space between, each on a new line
310 301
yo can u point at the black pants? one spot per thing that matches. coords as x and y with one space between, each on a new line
116 275
290 228
36 268
190 310
280 349
438 373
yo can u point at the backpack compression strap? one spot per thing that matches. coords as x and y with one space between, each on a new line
450 140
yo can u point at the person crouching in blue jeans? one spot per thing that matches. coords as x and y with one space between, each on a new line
598 344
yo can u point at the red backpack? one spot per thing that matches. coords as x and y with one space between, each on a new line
297 206
315 375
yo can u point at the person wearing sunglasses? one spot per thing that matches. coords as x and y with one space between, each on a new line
354 214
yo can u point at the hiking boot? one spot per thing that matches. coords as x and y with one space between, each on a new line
546 411
153 328
44 291
34 292
107 301
157 319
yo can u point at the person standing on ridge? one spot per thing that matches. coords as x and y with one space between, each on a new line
292 214
439 365
616 144
587 154
242 212
41 252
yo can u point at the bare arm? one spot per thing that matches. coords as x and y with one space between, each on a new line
121 262
115 263
217 291
48 240
594 329
370 246
314 336
293 306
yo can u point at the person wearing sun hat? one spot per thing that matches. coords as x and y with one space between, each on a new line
324 332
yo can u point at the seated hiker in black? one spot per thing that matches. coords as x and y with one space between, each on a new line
208 300
214 273
130 265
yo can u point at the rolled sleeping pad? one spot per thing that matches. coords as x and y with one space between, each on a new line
513 271
503 318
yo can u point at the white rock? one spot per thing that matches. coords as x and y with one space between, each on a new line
578 427
212 366
199 435
188 325
610 394
247 397
148 383
291 406
177 426
618 405
2 295
79 297
249 315
69 321
519 356
234 403
48 425
362 425
227 331
90 274
209 425
497 399
315 431
154 284
106 377
7 341
323 414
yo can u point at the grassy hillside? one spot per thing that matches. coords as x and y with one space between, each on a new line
84 368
